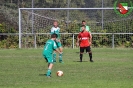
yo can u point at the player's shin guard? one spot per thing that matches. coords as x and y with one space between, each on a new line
54 57
60 58
81 56
90 55
48 72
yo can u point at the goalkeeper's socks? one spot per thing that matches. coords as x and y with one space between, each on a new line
81 56
60 58
48 72
54 57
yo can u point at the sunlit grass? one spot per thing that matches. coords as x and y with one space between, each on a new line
112 68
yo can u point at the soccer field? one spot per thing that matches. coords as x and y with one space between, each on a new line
25 68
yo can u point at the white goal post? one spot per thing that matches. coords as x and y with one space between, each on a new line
20 33
49 9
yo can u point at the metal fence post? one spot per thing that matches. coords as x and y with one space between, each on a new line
73 41
102 15
112 40
35 40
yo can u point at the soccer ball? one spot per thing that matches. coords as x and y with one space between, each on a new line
59 73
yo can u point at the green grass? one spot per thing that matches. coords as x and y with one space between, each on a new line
112 68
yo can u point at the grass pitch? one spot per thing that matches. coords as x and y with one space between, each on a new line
25 68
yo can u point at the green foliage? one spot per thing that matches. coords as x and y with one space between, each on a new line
8 41
9 20
99 40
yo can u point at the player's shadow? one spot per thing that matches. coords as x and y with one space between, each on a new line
80 61
77 52
42 74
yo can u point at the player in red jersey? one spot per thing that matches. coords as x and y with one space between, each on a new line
84 40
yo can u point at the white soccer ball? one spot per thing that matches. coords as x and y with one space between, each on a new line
59 73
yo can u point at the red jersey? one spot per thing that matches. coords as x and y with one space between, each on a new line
84 39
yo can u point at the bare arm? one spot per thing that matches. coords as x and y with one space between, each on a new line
77 41
90 39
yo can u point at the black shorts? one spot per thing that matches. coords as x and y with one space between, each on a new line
88 49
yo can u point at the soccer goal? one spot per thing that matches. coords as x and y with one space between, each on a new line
35 25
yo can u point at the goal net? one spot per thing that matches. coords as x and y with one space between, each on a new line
108 28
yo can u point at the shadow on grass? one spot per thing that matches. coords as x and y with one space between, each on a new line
77 52
42 74
80 62
83 53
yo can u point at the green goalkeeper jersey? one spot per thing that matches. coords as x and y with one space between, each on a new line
49 47
87 28
56 31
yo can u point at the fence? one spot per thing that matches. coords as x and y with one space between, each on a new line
106 40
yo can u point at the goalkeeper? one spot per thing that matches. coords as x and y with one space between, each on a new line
55 29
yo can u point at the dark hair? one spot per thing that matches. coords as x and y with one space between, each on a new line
54 35
83 26
83 21
55 21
